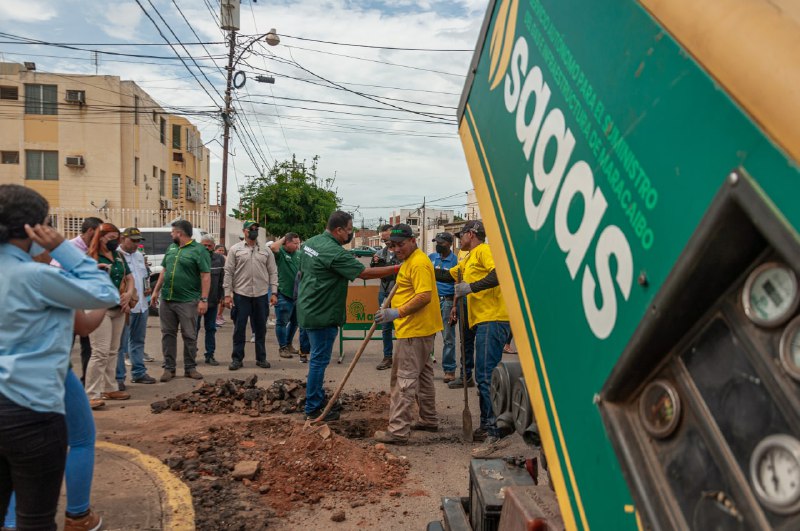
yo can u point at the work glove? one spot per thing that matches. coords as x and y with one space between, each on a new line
387 315
462 289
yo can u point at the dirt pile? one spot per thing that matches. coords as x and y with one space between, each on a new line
294 466
238 396
244 397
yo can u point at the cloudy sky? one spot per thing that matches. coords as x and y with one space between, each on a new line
388 147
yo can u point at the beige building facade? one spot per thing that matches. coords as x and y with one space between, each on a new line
101 146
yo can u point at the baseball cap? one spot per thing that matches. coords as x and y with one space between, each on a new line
133 233
443 236
475 226
401 232
249 223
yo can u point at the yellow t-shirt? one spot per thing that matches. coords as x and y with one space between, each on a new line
416 276
487 305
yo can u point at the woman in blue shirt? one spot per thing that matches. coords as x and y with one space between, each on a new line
37 313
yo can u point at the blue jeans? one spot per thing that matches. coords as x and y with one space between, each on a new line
386 329
211 331
257 310
490 338
448 336
285 321
132 343
322 340
80 458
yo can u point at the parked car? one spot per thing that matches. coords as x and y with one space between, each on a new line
363 250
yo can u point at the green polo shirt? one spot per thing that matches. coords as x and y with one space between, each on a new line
119 268
288 265
182 268
327 267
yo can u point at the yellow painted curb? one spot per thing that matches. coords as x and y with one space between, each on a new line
176 499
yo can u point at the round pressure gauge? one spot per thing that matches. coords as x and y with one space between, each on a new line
660 408
790 349
770 294
775 473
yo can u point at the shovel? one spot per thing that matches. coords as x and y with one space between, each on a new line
466 416
367 338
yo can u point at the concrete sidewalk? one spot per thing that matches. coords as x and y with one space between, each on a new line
132 490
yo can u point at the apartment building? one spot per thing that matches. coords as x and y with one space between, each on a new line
98 145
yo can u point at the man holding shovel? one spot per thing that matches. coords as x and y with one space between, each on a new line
488 315
325 269
417 319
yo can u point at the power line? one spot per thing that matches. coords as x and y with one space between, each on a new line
379 47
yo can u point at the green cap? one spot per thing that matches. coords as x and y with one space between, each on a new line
249 223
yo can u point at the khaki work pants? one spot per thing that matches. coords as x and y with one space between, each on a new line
102 368
412 382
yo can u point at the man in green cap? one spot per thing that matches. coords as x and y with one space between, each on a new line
325 269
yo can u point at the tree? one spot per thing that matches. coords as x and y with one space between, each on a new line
290 198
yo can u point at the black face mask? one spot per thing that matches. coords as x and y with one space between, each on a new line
112 245
252 234
349 237
176 241
441 249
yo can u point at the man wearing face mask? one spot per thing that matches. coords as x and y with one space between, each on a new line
443 259
250 273
385 257
185 282
325 269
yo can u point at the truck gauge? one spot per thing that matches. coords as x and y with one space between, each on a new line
790 349
770 294
660 408
775 473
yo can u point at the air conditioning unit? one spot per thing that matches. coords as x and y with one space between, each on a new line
75 161
76 96
166 204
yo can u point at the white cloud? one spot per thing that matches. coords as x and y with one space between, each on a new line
27 10
122 20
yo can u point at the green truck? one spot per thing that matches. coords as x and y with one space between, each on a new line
636 165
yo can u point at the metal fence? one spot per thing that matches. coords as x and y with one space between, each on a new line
69 221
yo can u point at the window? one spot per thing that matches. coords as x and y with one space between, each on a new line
189 189
9 157
9 93
163 131
156 243
176 185
176 137
72 225
136 110
161 184
177 157
41 165
135 171
40 99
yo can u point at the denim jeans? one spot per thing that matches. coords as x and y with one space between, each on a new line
132 343
448 336
33 450
490 338
257 310
322 340
468 337
285 320
386 329
211 332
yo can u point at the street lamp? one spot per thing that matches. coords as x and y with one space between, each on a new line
271 38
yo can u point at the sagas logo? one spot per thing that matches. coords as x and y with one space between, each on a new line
561 184
502 41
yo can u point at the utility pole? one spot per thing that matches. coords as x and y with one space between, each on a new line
424 233
226 137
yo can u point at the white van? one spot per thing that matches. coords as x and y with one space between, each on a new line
156 241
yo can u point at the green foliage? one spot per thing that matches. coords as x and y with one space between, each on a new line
290 198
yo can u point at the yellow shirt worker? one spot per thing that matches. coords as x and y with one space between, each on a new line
417 319
487 314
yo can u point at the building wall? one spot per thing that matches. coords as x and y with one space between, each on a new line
118 124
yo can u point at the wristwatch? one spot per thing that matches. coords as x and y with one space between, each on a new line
203 299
